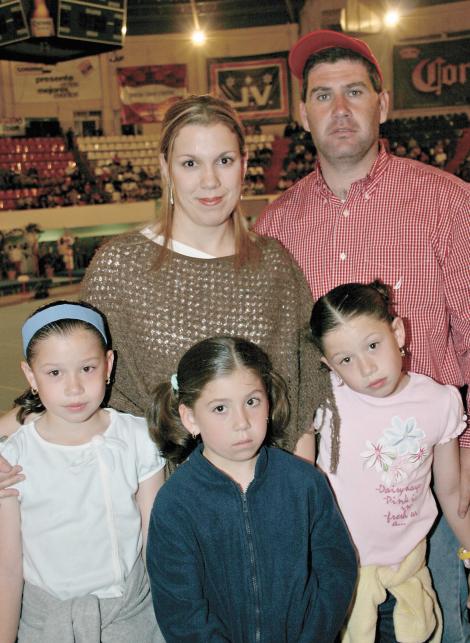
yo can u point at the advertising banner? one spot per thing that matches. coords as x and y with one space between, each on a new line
147 92
434 74
258 87
12 126
72 80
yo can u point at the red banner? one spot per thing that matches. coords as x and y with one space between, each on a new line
147 92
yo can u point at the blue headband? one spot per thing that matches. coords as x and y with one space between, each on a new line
56 313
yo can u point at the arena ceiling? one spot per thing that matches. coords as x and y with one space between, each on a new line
176 16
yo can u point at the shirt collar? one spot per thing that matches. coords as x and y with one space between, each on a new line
367 184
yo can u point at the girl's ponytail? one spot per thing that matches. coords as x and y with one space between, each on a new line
165 426
29 402
278 406
383 290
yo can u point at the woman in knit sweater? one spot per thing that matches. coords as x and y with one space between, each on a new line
199 272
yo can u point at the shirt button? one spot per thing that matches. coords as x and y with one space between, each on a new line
342 256
346 213
366 196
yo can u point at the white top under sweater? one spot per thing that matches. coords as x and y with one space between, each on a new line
176 246
80 523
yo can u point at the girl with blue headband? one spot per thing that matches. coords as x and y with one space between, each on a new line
71 555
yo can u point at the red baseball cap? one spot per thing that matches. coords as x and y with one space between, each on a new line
322 39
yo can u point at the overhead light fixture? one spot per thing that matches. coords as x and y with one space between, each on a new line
392 18
198 37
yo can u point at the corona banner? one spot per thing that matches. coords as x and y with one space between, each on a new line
433 74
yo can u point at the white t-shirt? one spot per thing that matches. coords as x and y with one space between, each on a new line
80 524
382 484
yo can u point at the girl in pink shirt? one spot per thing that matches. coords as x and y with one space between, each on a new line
396 429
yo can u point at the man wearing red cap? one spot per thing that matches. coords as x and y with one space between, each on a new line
364 214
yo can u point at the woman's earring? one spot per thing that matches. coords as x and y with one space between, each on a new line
402 351
108 381
172 201
34 391
194 435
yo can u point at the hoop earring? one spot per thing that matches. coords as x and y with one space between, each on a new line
172 200
34 391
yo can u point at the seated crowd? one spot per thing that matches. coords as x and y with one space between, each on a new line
300 159
429 139
260 153
48 173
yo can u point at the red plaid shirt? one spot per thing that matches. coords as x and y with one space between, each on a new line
405 223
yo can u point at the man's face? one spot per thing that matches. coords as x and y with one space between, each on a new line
342 112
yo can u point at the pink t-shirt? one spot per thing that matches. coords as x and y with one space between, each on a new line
382 484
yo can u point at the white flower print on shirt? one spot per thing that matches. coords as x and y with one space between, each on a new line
377 457
396 473
398 452
404 435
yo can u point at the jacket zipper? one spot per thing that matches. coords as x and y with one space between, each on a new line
254 579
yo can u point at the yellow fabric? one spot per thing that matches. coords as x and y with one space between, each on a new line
416 615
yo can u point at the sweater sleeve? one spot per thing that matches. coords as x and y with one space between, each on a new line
334 565
102 287
314 382
91 289
176 570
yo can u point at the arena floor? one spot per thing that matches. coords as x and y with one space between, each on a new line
14 309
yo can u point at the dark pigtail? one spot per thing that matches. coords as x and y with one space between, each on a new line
165 426
29 402
279 407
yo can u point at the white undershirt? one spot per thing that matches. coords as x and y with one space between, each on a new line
176 246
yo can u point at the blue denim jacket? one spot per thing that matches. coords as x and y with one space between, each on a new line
272 565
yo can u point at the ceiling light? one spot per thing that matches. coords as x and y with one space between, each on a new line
392 18
198 37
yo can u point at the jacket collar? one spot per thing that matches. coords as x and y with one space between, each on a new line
211 473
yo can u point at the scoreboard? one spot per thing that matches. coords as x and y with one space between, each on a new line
90 23
31 30
13 24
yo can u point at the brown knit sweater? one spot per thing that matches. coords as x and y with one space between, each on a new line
154 316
